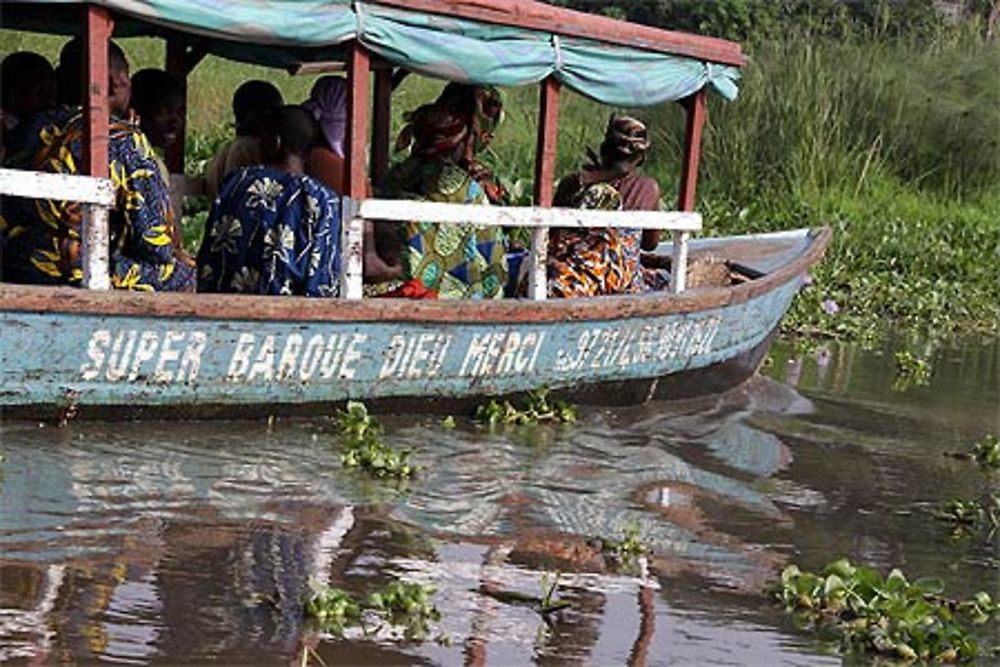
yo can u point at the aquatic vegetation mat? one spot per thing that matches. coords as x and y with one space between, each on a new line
364 449
399 608
888 616
536 408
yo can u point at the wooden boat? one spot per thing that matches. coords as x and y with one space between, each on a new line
92 351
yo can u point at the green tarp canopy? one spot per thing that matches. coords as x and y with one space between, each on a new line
283 33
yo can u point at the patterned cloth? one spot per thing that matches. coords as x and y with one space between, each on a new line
271 232
447 261
594 262
451 261
41 238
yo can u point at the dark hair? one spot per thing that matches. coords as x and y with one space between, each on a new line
69 73
288 130
251 101
626 139
154 89
20 71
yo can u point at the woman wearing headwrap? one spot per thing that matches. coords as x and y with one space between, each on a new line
597 262
446 260
328 105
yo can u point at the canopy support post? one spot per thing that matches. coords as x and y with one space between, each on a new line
545 168
96 249
696 112
182 58
352 239
381 125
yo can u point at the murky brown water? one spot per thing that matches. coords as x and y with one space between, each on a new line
155 543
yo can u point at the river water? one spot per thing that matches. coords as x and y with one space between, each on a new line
195 542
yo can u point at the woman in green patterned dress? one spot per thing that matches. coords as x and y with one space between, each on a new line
445 260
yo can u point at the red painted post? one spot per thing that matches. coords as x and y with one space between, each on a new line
696 112
99 26
381 124
177 64
358 68
545 155
545 172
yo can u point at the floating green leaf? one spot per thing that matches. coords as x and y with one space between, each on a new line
538 407
890 616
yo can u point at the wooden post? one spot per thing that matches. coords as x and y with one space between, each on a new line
545 168
352 239
95 233
381 124
695 106
177 65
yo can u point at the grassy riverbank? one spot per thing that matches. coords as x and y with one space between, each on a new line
894 144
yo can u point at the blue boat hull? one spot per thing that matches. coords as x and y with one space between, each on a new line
91 353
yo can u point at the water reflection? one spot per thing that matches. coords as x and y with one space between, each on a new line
196 542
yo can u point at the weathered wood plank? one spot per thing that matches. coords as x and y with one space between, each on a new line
678 274
357 121
541 16
96 248
545 169
696 113
524 216
58 187
98 25
192 361
381 125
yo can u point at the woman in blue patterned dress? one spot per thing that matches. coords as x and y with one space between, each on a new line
42 242
272 229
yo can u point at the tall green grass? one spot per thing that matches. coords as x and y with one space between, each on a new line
895 144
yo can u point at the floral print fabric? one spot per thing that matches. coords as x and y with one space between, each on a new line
42 238
272 232
594 262
446 260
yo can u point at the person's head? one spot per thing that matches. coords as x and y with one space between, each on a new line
252 102
27 84
626 141
158 99
69 76
457 125
328 104
289 132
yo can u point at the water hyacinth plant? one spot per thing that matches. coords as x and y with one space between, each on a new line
627 553
888 616
364 449
400 606
538 408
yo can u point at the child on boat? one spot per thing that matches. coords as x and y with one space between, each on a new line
42 238
595 262
252 102
451 261
272 229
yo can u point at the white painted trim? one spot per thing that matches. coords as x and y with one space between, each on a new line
352 251
60 187
678 268
524 216
96 255
537 260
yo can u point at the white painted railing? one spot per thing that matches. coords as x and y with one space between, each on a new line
97 196
355 212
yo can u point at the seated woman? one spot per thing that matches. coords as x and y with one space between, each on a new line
272 229
596 262
325 162
445 260
158 101
252 101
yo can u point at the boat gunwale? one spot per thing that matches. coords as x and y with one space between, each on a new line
239 307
